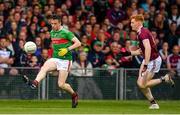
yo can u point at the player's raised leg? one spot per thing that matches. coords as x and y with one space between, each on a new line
142 83
49 65
145 82
63 74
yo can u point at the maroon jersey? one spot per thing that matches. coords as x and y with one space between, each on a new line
146 34
173 60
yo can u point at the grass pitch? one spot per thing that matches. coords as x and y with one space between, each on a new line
86 107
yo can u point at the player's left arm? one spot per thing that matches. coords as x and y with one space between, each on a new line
76 43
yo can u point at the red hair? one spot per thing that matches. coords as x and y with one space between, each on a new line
138 17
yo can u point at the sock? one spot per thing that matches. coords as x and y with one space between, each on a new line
74 94
153 102
35 83
162 79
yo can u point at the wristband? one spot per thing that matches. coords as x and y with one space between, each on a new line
68 49
128 53
145 65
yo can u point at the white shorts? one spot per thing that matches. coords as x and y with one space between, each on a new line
154 65
62 64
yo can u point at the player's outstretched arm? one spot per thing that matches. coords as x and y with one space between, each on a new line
136 52
76 43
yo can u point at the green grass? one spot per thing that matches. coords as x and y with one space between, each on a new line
86 107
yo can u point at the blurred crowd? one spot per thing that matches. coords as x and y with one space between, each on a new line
103 27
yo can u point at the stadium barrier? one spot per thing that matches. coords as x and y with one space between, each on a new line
116 84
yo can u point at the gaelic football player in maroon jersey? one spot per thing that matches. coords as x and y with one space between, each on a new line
151 63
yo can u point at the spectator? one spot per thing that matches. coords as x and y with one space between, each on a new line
174 15
34 62
89 32
87 5
125 60
77 29
83 68
159 39
162 8
96 56
96 28
133 39
14 30
46 42
115 51
32 31
115 38
85 44
109 25
79 15
20 55
6 58
92 20
172 38
152 11
123 34
43 57
65 22
110 64
134 8
173 59
164 52
100 8
146 19
39 44
2 29
159 23
115 14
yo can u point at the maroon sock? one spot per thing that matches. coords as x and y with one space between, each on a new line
153 102
74 94
35 82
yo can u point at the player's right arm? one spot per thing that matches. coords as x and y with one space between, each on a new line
136 52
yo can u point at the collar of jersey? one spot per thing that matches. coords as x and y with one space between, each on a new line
139 30
59 29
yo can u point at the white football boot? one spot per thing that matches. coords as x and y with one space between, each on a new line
154 106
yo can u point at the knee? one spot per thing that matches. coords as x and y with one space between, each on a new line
141 85
61 85
2 71
13 72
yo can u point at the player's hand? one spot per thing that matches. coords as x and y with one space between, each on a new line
62 51
144 70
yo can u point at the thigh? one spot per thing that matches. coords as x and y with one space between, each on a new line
147 77
64 64
50 65
154 65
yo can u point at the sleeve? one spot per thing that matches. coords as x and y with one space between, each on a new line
144 35
70 35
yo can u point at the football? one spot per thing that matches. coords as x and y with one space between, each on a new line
30 47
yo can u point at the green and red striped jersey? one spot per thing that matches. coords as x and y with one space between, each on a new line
61 39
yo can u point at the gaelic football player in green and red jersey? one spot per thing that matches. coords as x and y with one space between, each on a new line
63 41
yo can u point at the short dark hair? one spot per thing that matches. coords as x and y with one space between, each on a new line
56 17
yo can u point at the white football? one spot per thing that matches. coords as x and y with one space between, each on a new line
30 47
